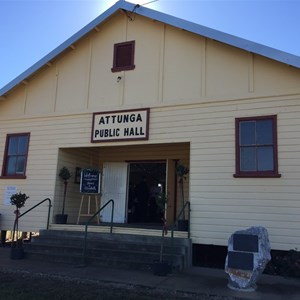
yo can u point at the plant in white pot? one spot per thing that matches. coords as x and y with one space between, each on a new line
182 172
18 200
65 175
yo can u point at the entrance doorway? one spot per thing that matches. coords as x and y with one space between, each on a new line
146 181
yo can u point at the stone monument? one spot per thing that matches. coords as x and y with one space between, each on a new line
248 255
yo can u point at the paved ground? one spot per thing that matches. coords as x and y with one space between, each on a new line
199 281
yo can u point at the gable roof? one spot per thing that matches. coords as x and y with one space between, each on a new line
244 44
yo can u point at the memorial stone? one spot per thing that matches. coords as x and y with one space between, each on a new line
248 255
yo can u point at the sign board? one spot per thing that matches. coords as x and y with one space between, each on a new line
245 242
240 260
242 256
120 125
8 192
90 181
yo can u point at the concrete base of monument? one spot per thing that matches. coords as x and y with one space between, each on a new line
239 289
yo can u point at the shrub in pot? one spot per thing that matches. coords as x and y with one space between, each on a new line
65 175
161 267
182 172
18 200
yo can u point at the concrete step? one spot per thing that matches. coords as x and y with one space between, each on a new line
78 260
107 253
104 244
136 238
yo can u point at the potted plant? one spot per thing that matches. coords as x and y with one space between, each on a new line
18 200
161 267
182 172
65 175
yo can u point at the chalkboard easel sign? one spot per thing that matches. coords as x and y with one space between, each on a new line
90 181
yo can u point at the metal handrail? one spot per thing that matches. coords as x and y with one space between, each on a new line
187 204
27 211
91 218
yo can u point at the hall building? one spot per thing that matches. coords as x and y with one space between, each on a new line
138 93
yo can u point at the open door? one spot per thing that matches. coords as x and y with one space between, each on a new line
114 186
146 180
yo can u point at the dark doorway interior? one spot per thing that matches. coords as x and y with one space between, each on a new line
146 180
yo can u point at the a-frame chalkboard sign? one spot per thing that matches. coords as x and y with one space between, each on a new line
90 181
89 187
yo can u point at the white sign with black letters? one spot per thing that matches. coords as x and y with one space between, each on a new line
8 192
120 125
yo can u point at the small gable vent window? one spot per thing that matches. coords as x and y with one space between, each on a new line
123 57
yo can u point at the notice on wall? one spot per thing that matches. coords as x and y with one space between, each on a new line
120 125
8 192
90 181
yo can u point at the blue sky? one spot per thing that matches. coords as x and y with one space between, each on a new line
30 29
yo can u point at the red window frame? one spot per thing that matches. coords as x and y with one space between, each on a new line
238 148
7 156
123 59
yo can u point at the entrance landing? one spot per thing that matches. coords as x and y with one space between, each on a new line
138 229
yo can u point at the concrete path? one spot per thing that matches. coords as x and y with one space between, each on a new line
194 280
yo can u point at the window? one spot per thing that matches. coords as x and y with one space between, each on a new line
256 147
123 57
15 155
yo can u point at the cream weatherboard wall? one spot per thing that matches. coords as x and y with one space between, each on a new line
195 88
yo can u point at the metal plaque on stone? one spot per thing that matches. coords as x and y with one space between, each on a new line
248 255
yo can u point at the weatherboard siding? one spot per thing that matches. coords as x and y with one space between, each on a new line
224 203
220 203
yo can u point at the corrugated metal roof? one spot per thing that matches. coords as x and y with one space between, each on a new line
244 44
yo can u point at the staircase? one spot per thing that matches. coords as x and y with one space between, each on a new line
129 251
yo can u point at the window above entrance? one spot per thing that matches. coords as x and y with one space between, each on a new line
123 57
256 147
15 155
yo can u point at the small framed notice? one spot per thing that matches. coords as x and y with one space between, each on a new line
8 192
